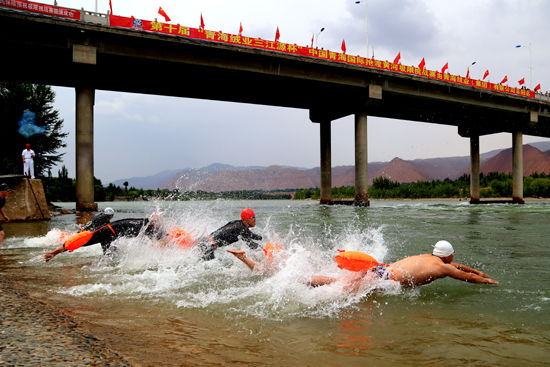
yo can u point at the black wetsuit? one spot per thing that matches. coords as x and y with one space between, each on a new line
97 222
123 228
2 203
227 235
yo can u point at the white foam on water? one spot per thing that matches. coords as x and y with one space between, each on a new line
140 269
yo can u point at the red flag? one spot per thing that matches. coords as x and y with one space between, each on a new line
504 80
277 35
111 6
486 74
202 23
537 87
241 29
445 67
468 73
312 38
397 58
163 13
521 81
344 46
422 64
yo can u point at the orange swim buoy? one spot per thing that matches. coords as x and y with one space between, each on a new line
271 249
181 237
355 261
77 240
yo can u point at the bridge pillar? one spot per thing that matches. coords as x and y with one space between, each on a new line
85 149
361 160
474 170
517 167
326 164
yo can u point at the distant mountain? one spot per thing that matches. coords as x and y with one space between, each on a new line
399 170
534 161
224 177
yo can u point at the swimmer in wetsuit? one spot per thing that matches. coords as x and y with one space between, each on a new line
107 234
230 233
100 220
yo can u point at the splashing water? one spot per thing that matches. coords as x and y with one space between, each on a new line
138 269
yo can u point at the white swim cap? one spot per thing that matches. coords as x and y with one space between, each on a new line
443 249
109 211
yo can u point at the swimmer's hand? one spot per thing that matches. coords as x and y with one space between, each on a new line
49 255
491 281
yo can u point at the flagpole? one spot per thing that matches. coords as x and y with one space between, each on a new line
472 64
317 37
530 63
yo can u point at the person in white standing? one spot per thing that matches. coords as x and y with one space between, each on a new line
28 161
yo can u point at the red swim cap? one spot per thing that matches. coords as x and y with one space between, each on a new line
247 213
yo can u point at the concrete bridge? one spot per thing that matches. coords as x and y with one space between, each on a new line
87 55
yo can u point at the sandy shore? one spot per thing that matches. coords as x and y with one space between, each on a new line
33 333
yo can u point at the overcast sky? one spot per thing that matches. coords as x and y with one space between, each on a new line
140 135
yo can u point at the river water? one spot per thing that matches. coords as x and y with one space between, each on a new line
167 307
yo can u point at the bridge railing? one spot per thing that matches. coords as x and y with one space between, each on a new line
94 17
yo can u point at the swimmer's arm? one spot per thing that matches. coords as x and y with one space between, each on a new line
50 255
4 214
453 272
355 282
467 269
319 280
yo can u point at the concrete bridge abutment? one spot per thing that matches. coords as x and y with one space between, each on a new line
361 160
517 167
85 97
326 162
474 170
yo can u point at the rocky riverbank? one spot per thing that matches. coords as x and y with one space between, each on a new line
34 333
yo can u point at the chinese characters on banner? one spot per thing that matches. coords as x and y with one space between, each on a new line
125 22
177 30
42 8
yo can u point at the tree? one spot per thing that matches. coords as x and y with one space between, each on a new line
126 186
15 99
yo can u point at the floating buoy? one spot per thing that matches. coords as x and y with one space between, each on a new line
181 237
271 249
355 261
78 240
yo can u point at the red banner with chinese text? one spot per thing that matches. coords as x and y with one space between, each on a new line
42 8
177 30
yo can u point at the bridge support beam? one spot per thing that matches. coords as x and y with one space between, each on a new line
361 160
326 163
474 170
517 167
85 149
